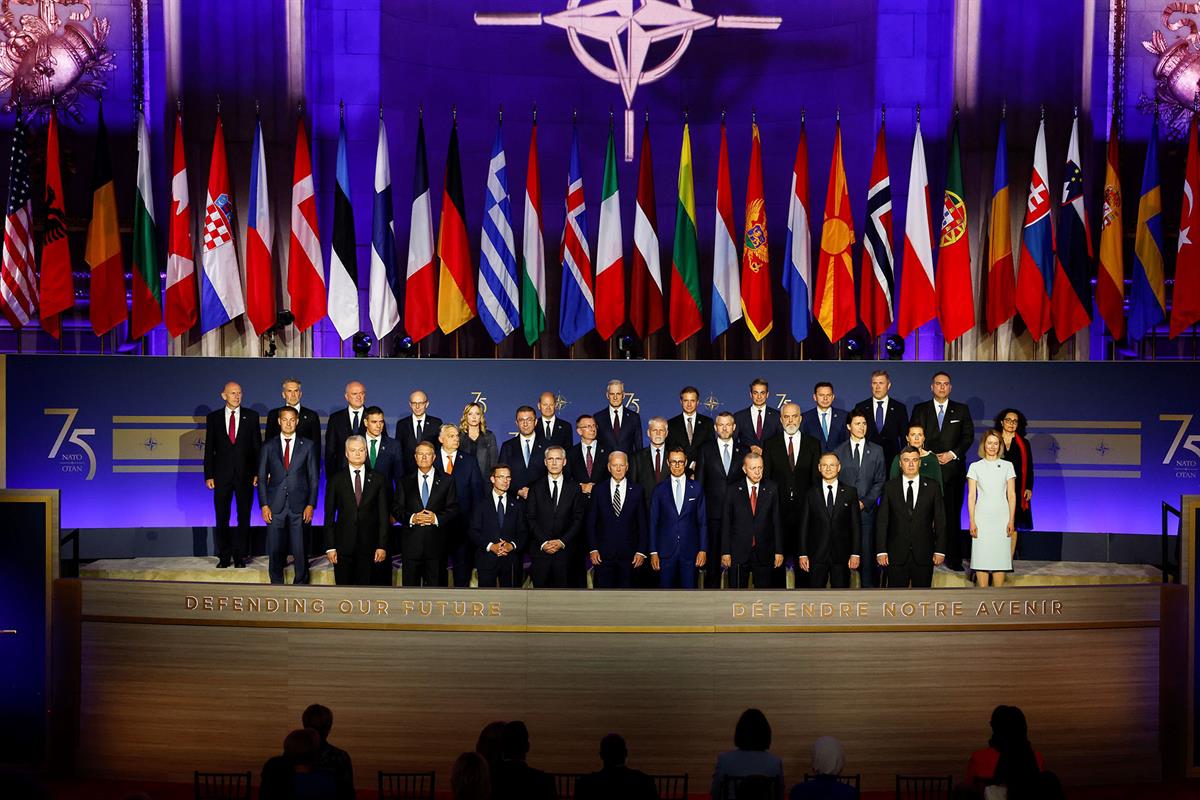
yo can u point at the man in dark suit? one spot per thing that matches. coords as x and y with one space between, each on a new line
887 418
949 432
616 527
689 429
554 511
823 422
309 426
231 446
718 466
356 517
428 510
616 780
513 779
498 533
417 427
383 452
910 531
287 495
587 461
830 533
524 454
551 429
678 526
469 485
790 461
344 423
751 539
757 422
649 466
862 467
618 427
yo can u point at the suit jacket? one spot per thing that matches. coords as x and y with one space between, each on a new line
227 462
921 531
895 426
831 539
337 431
793 483
548 522
702 431
740 527
513 454
485 529
630 440
957 434
616 782
561 436
641 471
745 421
407 436
868 479
387 459
678 534
467 482
426 541
577 465
356 527
308 426
291 489
516 780
710 470
618 538
810 423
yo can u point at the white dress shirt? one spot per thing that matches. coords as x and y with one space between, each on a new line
420 479
496 498
237 420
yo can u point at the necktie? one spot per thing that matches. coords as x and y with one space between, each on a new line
754 499
587 460
354 423
878 416
725 457
548 430
691 429
617 499
287 454
825 424
420 428
425 490
941 416
829 498
758 426
449 465
374 444
909 498
857 455
616 424
357 486
791 452
554 494
233 427
527 451
500 511
657 464
678 496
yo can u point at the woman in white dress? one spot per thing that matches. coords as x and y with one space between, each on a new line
991 506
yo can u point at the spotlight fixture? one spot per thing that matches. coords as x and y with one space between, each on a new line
361 343
629 348
854 347
893 345
404 347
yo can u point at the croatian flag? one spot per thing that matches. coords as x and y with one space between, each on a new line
221 298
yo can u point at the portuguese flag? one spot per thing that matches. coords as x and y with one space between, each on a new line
685 258
955 301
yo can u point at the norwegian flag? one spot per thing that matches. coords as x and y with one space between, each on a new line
879 278
18 281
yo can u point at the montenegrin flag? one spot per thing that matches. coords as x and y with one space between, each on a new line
456 278
685 259
1148 297
756 263
878 277
727 285
610 262
1185 310
306 264
1035 271
1110 277
918 302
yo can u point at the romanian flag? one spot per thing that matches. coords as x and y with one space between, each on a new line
756 263
103 254
1148 298
456 278
1185 310
1001 278
1110 278
685 259
833 290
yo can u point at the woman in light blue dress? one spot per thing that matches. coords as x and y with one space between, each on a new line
991 506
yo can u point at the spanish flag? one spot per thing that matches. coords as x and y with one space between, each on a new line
456 278
1110 278
103 254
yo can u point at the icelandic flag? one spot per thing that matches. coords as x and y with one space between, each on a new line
499 309
578 306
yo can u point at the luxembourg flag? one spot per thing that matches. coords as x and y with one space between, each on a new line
260 277
1035 273
221 298
797 267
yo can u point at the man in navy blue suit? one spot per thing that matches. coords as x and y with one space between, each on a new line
823 422
751 537
863 467
887 418
616 527
551 429
287 494
383 452
467 481
678 525
524 453
342 424
618 427
757 422
498 533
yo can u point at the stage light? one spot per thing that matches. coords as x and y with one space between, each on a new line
361 342
854 347
282 320
893 345
629 348
404 348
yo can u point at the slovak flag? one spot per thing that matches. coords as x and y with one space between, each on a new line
1035 274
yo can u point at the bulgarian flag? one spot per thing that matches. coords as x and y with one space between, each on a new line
610 264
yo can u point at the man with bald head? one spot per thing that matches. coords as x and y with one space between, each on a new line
618 539
790 460
551 429
417 427
344 423
232 441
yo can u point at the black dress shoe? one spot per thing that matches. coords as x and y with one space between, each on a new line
223 563
239 563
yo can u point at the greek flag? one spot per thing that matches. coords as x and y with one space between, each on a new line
498 293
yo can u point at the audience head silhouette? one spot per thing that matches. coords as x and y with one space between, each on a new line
514 741
828 756
470 779
302 747
753 732
319 718
613 751
489 743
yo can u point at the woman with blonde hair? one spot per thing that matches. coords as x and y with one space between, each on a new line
991 506
477 439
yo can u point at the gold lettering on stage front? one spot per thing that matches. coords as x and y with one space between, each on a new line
896 609
363 607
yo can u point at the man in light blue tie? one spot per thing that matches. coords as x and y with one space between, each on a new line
823 422
678 526
428 507
887 417
525 453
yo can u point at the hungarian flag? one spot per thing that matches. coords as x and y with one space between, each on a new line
1148 296
1185 310
384 287
756 262
420 313
797 266
343 253
306 265
955 298
456 277
727 284
1070 304
918 302
147 283
646 304
56 289
1110 277
18 281
833 293
1001 276
878 275
610 262
1035 269
685 259
533 250
577 305
103 254
260 271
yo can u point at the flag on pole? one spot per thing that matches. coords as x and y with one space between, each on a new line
1035 268
955 295
103 253
1185 310
1070 303
1001 275
1148 297
147 283
727 285
18 278
610 261
420 311
498 293
56 289
306 265
685 260
260 238
646 305
797 269
878 275
833 292
1110 277
533 250
577 314
456 284
918 303
756 262
343 253
384 288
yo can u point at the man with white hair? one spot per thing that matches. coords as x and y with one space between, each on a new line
618 427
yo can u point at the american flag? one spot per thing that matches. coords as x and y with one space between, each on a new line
18 283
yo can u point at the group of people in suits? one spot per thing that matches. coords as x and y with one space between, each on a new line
676 502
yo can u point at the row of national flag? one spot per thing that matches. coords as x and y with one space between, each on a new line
1045 279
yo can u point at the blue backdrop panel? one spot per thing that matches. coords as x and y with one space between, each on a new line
118 435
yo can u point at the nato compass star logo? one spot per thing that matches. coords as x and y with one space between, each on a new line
628 34
712 403
150 444
198 444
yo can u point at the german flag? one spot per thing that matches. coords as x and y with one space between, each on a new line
456 279
103 254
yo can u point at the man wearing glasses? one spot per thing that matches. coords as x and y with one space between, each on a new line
417 427
678 526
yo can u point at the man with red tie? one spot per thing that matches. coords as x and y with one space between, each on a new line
232 441
758 422
618 427
648 467
751 539
587 461
356 517
287 494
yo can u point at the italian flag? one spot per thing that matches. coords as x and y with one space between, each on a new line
610 265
